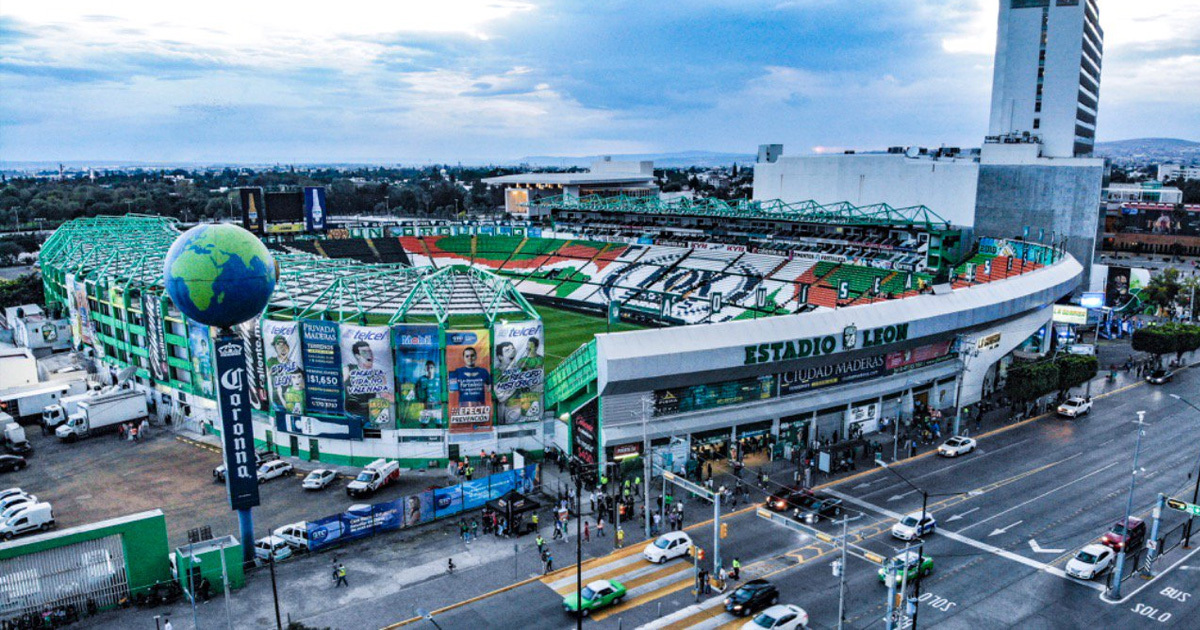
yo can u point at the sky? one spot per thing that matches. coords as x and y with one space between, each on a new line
473 81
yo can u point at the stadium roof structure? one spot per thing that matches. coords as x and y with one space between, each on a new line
130 250
842 213
569 179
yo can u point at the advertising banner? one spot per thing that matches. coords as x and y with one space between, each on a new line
314 208
200 344
921 356
322 360
237 431
805 379
476 492
254 213
156 340
585 433
518 371
285 379
353 525
418 376
256 362
502 483
447 501
367 374
525 479
696 397
1070 314
73 312
468 352
418 508
344 428
1117 286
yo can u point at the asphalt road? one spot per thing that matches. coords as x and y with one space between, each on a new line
1011 515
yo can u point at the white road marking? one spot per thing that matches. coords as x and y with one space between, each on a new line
1033 544
1003 530
961 515
897 497
1040 496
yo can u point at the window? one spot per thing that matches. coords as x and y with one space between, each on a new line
1037 123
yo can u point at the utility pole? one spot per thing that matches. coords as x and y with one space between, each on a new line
1116 589
646 464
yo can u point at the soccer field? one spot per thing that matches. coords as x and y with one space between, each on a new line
567 330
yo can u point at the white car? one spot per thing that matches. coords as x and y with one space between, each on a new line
956 446
269 546
318 479
669 545
1091 561
1075 407
295 534
779 617
913 526
16 500
11 492
271 470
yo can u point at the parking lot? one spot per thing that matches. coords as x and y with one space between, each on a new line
103 477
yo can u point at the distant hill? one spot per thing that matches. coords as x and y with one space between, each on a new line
681 159
1150 150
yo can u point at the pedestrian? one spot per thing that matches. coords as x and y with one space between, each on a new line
722 577
341 577
708 470
737 569
143 428
592 500
540 542
535 521
637 484
474 528
463 532
121 431
549 563
600 527
656 523
167 624
587 534
620 537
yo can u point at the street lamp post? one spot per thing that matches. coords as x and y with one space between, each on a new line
1116 589
1187 531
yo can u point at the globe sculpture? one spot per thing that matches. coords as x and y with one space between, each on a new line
219 275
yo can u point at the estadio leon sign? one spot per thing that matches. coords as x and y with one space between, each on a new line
825 345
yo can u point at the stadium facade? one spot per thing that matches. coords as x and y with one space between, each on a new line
798 321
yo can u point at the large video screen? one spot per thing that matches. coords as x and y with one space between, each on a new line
285 207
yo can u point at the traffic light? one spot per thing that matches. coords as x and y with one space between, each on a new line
700 555
1176 504
724 530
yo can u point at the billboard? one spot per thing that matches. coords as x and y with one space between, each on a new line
469 380
344 428
804 379
285 378
237 431
256 362
1117 286
321 358
314 208
518 365
156 341
1069 314
418 377
73 311
367 375
585 433
352 525
922 356
200 345
254 213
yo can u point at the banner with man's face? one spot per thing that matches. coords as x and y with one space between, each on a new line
420 394
367 374
518 367
468 354
285 378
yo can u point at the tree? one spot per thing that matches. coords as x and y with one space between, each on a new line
1030 381
1162 290
1167 338
1074 369
26 289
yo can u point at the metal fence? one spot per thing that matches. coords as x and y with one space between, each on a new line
85 575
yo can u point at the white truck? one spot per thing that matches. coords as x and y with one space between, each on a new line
57 414
30 401
14 436
103 413
374 476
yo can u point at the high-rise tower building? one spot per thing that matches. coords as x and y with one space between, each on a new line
1047 75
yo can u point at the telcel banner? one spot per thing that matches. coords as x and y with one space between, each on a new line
285 379
237 432
518 371
367 374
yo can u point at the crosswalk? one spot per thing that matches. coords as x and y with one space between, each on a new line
643 580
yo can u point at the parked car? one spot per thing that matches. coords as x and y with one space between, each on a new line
751 596
816 506
17 506
1158 377
1125 534
36 517
780 617
956 446
668 546
319 479
268 546
914 525
295 535
907 566
1074 407
1091 561
16 498
9 492
9 463
260 457
273 469
595 595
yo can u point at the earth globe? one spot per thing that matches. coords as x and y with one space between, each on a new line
219 274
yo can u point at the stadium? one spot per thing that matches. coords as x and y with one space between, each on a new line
616 322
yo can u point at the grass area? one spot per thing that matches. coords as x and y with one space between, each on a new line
567 330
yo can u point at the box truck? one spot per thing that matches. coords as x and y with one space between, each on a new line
29 402
56 414
103 413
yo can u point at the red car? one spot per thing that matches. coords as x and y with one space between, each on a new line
1125 535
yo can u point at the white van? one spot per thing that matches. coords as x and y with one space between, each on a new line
37 517
295 534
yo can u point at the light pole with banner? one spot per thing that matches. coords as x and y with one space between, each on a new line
221 275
